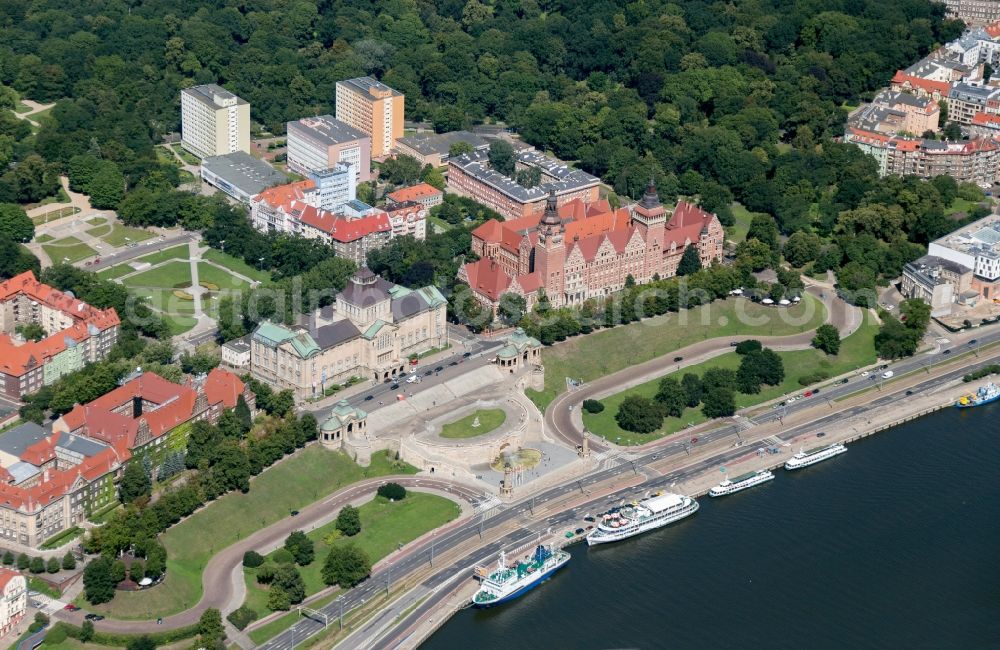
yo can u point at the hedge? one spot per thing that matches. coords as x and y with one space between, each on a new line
122 640
242 617
982 372
592 406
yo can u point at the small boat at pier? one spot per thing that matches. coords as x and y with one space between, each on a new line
986 394
813 456
742 482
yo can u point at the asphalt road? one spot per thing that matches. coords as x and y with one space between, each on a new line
421 555
150 246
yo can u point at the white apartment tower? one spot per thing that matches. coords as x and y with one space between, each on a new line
214 121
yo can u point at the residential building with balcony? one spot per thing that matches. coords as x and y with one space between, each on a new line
75 334
373 108
423 193
13 600
214 121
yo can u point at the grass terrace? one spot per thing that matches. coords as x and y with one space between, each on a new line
609 350
52 215
69 249
236 265
221 278
172 253
856 350
121 235
738 231
171 275
384 526
293 483
489 420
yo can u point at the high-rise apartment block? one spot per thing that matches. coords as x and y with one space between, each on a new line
214 121
374 108
316 144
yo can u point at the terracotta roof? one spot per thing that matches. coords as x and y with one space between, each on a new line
993 29
223 387
6 575
686 224
901 78
986 119
488 278
340 227
413 193
283 195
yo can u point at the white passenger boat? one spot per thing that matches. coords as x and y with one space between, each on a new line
638 517
742 482
813 456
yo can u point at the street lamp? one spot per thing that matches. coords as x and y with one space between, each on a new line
260 262
222 245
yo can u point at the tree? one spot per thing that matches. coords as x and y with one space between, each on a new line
747 346
502 158
86 631
512 308
8 558
916 313
52 566
300 546
134 484
210 627
253 559
639 414
31 331
459 148
718 402
671 396
718 378
278 600
392 491
23 561
15 259
692 388
107 187
690 261
401 170
98 584
801 248
141 643
346 566
15 225
37 565
68 561
827 339
349 521
288 579
592 406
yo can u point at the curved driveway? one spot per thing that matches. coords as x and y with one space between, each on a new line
222 578
559 420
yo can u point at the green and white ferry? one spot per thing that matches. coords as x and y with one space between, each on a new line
741 482
509 581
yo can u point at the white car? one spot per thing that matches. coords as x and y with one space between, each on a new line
413 379
887 374
864 374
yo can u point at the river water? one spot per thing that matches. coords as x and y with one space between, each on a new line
895 544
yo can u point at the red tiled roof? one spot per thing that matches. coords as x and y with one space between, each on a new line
488 278
986 119
283 195
686 224
901 78
223 387
6 575
340 227
413 193
993 29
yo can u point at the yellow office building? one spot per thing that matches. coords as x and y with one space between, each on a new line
374 109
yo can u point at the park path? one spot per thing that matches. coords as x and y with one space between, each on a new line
564 421
35 108
222 578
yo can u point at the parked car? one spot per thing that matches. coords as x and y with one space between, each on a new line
453 363
815 391
808 393
733 344
368 398
887 374
394 386
589 518
439 369
70 607
946 352
678 359
94 617
466 355
973 341
294 513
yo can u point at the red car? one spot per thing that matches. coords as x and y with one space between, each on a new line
694 441
808 393
70 607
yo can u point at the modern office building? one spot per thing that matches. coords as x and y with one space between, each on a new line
316 144
373 108
434 148
214 121
335 187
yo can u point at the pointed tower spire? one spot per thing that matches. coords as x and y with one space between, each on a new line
551 215
650 199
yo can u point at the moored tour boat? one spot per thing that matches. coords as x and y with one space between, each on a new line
986 394
813 456
635 518
742 482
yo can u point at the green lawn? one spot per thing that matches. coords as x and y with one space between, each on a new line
236 265
68 249
221 278
173 253
606 351
489 420
282 623
856 350
44 238
171 275
121 235
384 526
294 483
178 324
738 231
113 272
97 221
439 224
186 155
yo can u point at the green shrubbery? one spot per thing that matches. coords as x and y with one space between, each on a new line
592 406
242 617
392 491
